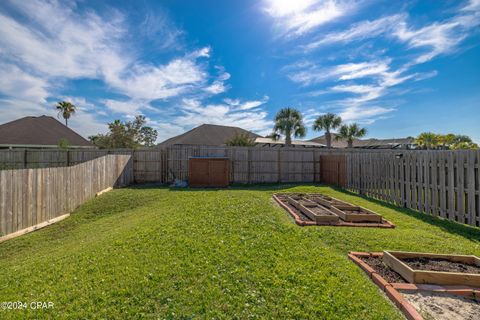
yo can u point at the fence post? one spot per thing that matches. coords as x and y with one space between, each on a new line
25 159
279 167
249 161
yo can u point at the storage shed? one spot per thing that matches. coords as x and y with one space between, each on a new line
209 172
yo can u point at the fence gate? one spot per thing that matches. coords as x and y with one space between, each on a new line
333 170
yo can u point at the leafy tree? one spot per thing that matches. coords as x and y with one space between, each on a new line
427 140
450 141
65 109
148 136
274 136
327 122
241 140
130 134
63 143
445 141
461 142
288 122
465 146
351 132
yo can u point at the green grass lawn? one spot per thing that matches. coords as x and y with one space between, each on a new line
185 254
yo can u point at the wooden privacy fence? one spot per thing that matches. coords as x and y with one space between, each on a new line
29 197
438 183
248 164
48 158
251 164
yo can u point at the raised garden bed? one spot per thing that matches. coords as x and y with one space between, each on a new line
433 268
419 301
347 211
311 209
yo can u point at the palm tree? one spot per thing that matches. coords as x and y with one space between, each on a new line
327 122
65 109
350 132
288 122
427 140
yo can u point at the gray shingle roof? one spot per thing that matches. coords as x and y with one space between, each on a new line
300 143
366 143
39 131
206 134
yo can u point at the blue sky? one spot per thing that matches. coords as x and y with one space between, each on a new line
396 67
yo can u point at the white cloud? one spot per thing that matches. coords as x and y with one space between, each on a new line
359 31
201 53
364 83
129 107
473 5
310 73
64 46
235 113
14 82
45 43
87 124
297 17
435 39
159 82
363 114
216 87
247 105
440 37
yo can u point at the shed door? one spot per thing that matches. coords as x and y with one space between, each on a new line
218 173
209 172
199 172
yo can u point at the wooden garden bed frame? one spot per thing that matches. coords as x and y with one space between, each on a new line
393 290
328 217
393 260
281 199
341 209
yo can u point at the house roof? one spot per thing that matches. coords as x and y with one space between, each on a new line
206 134
366 143
39 131
295 143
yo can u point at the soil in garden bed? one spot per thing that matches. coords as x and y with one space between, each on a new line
321 211
298 212
383 270
436 264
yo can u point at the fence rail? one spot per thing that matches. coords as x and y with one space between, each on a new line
29 197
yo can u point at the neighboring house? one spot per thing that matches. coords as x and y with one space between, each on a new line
39 132
207 135
401 143
268 142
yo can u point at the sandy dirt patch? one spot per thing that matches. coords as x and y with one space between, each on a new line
441 306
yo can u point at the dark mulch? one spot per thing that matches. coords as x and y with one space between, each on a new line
382 269
435 264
